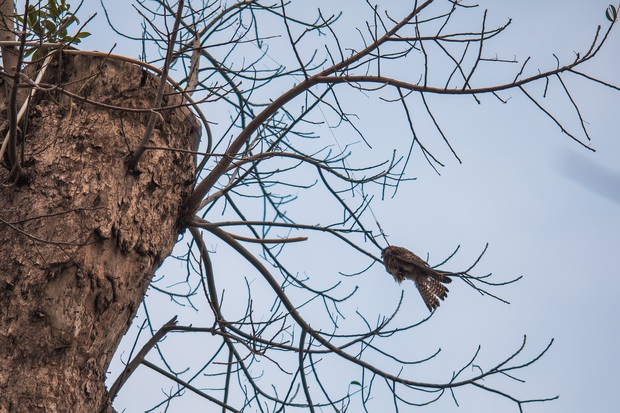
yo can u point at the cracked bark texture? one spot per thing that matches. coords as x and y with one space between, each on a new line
81 236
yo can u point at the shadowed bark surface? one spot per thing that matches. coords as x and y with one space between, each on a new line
81 236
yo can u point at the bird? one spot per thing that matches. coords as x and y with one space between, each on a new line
404 264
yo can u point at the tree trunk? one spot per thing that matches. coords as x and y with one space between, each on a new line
80 235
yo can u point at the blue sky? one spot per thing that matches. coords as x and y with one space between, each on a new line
548 208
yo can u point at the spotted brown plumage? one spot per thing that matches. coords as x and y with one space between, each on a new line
404 264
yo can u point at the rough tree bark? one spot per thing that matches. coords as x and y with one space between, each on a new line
80 235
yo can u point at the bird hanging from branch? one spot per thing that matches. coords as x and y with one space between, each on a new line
404 264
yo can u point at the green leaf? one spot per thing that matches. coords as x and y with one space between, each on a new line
32 18
355 383
54 11
49 25
51 22
38 29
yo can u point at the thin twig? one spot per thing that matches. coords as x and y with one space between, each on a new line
135 158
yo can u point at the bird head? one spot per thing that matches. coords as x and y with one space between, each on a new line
385 251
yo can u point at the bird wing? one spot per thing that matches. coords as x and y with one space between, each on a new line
408 257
